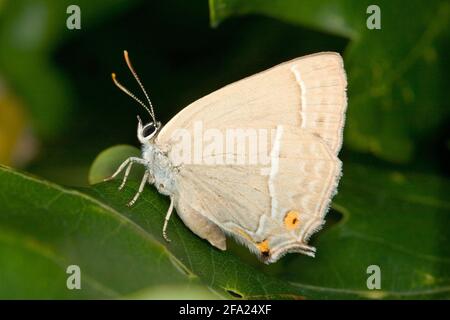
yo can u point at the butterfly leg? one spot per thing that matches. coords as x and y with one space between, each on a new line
124 164
166 220
141 188
125 177
119 170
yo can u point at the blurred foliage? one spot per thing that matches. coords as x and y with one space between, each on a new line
30 31
13 128
59 109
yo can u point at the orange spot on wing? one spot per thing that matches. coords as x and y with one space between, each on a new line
292 220
263 247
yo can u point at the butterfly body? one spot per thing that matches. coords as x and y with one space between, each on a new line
161 171
271 194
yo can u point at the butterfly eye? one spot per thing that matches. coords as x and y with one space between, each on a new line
148 130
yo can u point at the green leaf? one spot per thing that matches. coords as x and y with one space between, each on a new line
397 77
110 159
44 228
394 220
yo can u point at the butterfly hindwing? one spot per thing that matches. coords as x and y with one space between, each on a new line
274 209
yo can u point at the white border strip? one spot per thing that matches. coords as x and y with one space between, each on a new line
302 85
275 164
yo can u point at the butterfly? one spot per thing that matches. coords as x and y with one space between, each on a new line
270 188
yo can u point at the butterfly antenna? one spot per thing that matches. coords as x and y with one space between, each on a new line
121 87
130 66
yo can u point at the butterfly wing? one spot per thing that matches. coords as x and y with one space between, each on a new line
307 92
271 206
272 210
304 175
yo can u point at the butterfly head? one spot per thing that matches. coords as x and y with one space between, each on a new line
147 132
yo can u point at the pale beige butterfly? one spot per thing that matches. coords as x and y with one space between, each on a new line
273 207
